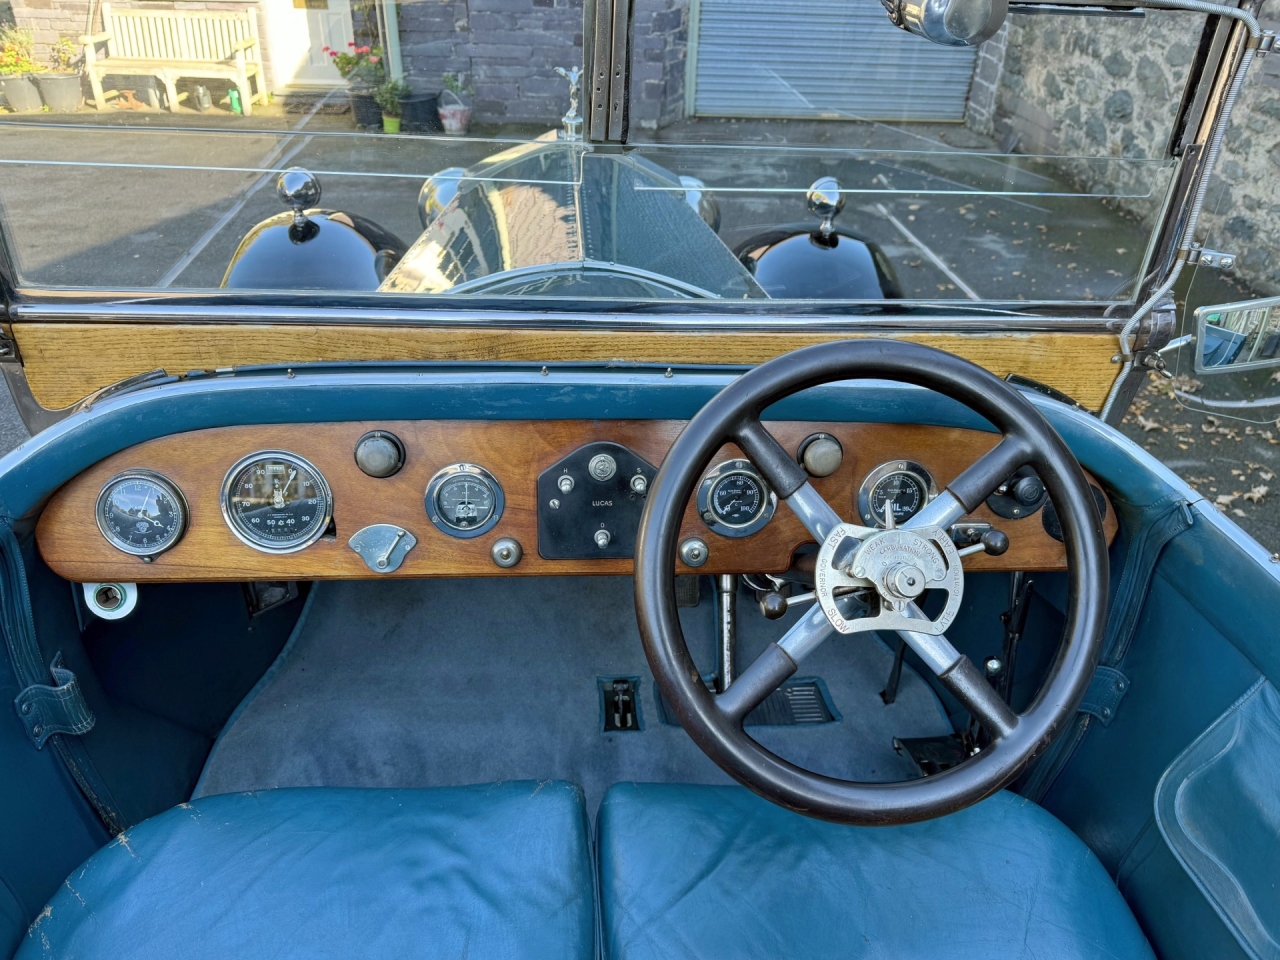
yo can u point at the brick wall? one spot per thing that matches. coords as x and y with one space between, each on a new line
510 48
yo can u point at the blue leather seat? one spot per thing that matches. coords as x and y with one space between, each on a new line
709 872
500 870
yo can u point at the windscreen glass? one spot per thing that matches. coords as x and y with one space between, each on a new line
803 151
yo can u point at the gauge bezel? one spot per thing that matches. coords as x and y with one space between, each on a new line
717 475
247 538
883 471
184 511
454 470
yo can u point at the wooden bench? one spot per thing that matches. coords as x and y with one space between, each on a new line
168 44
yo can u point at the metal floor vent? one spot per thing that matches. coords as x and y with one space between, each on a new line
800 701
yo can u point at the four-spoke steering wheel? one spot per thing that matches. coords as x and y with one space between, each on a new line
891 567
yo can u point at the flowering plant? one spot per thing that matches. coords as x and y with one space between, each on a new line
389 95
359 63
62 54
16 49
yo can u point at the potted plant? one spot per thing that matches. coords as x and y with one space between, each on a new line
455 104
388 96
363 70
16 66
60 85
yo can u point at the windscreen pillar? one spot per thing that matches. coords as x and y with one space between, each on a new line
606 56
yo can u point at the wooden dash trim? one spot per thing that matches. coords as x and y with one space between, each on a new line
65 362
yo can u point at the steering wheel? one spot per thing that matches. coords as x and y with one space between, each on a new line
889 567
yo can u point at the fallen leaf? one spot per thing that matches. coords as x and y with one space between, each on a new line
1226 499
1267 475
1148 425
1238 512
1257 493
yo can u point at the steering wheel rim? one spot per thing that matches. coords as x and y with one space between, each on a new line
715 722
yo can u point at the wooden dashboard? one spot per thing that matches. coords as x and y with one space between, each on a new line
515 452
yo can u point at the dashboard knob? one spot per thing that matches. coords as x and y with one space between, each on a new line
639 484
694 552
995 542
821 455
1028 490
379 454
773 605
565 483
602 467
603 539
506 552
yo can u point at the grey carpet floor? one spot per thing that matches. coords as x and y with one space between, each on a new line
410 683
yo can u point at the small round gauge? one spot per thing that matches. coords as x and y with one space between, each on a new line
276 502
734 500
901 485
141 513
464 500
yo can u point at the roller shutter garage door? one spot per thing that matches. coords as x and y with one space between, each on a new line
837 59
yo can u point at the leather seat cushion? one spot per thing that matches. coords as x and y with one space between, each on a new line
500 870
703 872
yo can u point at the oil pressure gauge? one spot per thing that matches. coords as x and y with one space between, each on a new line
141 513
901 485
734 500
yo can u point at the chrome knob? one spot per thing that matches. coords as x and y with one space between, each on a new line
298 189
602 467
565 483
693 552
506 552
639 484
825 200
603 539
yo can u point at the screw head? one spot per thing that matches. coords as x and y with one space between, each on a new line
553 504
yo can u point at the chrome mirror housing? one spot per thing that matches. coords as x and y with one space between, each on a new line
952 23
1234 337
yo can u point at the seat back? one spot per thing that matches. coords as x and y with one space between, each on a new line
180 35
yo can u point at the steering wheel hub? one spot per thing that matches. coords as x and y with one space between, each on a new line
899 565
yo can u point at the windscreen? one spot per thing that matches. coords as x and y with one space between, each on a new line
794 152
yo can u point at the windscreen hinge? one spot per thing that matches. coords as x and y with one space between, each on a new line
1264 43
8 345
1199 256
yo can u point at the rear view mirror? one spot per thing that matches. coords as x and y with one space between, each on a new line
1234 337
952 23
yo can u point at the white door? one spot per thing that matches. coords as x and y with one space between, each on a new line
297 33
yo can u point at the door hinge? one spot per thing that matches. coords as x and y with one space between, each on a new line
8 345
1218 259
60 707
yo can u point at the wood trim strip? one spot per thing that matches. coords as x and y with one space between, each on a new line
65 362
516 452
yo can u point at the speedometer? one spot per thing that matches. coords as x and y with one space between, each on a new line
276 501
141 513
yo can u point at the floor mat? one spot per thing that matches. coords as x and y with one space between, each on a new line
408 683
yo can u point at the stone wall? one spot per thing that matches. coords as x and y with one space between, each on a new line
660 48
1084 87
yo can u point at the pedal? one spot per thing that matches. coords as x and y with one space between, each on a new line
619 705
935 754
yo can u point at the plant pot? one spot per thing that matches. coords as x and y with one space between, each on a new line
21 94
455 116
61 91
418 113
364 109
390 124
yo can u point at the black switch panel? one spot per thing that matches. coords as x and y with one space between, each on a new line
599 512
